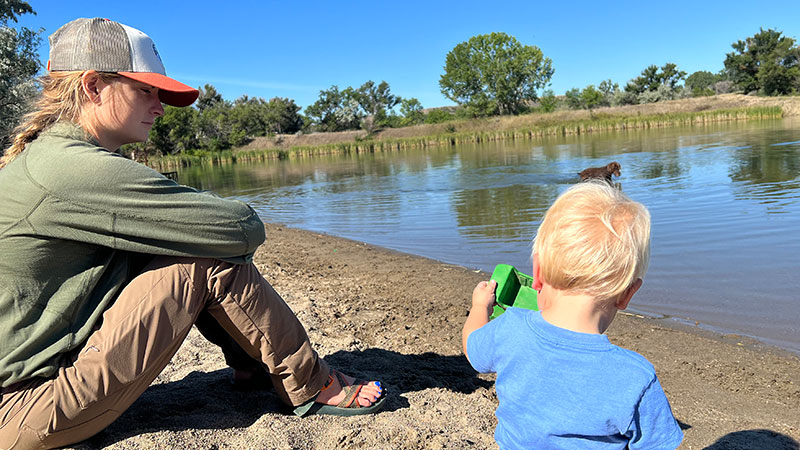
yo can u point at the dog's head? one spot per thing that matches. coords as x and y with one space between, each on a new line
613 168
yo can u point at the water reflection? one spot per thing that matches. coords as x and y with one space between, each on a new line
723 197
767 172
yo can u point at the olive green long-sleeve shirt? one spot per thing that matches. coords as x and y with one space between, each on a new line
72 215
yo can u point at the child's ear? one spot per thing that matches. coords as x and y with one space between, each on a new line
537 274
627 294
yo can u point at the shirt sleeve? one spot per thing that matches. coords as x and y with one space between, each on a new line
480 347
100 197
653 425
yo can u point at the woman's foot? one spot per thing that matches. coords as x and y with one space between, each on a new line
335 394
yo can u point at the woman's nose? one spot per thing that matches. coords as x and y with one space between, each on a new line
158 108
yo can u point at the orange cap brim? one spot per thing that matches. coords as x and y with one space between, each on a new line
171 92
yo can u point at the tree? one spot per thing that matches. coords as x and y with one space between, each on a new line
258 117
766 62
573 98
701 81
654 84
591 98
282 116
334 111
652 78
494 74
19 63
375 101
411 110
175 131
548 101
608 88
208 98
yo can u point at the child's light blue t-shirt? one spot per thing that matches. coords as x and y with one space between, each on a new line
562 389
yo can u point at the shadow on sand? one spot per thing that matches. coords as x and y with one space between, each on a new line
754 440
207 400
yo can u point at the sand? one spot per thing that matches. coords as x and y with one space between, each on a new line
385 315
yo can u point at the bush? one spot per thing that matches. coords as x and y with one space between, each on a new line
438 116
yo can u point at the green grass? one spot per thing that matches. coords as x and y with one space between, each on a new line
597 124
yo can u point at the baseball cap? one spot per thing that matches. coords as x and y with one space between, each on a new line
107 46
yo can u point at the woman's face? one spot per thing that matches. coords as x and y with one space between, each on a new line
125 113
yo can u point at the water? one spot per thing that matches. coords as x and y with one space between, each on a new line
724 199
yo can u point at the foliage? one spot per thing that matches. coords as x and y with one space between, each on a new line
573 98
660 94
258 117
411 110
438 115
701 81
609 90
375 101
214 124
723 87
174 132
548 101
208 98
334 111
766 62
494 74
652 78
19 63
369 107
592 98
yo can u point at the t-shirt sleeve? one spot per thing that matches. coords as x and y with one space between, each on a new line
653 425
480 347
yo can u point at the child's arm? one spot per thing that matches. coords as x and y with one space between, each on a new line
483 300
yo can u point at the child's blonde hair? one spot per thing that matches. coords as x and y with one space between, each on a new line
593 240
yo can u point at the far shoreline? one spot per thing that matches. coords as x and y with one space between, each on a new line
717 108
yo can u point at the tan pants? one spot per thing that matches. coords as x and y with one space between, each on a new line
139 334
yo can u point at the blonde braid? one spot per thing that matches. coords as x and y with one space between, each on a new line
62 98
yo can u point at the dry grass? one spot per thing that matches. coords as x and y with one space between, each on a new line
789 105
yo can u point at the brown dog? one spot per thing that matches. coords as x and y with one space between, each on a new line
604 172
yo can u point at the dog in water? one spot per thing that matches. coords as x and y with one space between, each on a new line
603 173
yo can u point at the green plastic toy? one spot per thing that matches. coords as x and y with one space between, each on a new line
513 289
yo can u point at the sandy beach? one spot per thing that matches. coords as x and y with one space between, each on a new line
380 314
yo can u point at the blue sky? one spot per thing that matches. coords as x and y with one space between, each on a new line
295 49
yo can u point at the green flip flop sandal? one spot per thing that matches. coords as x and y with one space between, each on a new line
348 406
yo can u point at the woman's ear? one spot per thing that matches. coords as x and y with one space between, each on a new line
92 85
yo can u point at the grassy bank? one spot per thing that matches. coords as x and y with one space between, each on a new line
547 125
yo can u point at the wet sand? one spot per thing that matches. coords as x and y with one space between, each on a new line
380 314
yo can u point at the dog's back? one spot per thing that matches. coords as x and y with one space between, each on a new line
604 172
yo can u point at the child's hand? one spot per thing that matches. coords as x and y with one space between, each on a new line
483 296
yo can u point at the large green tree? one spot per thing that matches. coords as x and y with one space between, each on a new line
375 101
335 110
19 63
653 78
175 131
766 62
495 74
258 117
700 82
411 109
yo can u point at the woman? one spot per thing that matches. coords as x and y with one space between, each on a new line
107 264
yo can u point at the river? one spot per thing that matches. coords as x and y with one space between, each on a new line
724 200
